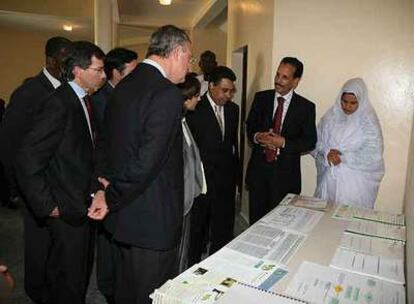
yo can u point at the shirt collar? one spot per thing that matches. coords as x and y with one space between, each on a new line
55 82
212 103
78 90
287 97
155 65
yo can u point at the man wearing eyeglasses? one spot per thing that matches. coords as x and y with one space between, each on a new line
54 170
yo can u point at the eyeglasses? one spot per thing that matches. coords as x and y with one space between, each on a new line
98 70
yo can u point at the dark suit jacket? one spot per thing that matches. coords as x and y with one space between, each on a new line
298 129
145 160
17 119
54 162
220 158
99 103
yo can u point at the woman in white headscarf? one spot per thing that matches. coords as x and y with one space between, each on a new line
349 151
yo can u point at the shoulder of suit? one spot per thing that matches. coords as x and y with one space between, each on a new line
302 100
33 87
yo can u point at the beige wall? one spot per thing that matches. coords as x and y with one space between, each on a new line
212 39
409 213
250 23
338 40
21 56
77 8
141 49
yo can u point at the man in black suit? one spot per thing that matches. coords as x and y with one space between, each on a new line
214 125
23 104
281 127
54 167
145 168
21 110
119 62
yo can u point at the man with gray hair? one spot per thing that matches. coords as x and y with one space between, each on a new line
144 172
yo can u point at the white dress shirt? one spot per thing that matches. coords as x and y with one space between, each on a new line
55 82
81 93
218 111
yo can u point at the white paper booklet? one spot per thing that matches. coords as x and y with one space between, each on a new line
267 242
243 268
287 199
293 218
349 212
375 229
309 202
244 294
325 285
373 246
196 285
372 265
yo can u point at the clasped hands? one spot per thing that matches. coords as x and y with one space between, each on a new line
334 157
99 209
270 140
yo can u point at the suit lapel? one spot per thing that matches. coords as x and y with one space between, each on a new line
290 113
269 108
45 82
211 116
74 99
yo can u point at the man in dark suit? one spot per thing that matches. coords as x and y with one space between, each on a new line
21 110
119 62
281 127
214 125
145 168
54 167
23 104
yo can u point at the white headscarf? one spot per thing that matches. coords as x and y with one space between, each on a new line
358 137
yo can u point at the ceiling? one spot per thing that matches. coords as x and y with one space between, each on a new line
138 18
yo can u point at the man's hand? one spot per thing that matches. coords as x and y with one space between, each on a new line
55 213
334 157
270 140
98 209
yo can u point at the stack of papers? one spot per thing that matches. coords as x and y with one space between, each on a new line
243 294
346 212
309 202
376 266
293 218
374 246
378 230
325 285
256 272
267 242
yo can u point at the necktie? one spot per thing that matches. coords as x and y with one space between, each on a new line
219 120
88 103
271 155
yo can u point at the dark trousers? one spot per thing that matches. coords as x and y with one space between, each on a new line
140 271
59 256
106 251
267 187
213 215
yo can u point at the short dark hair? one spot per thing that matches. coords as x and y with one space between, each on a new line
80 55
190 87
55 45
165 39
208 56
296 63
221 72
117 58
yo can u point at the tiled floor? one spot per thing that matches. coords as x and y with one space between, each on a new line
11 253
